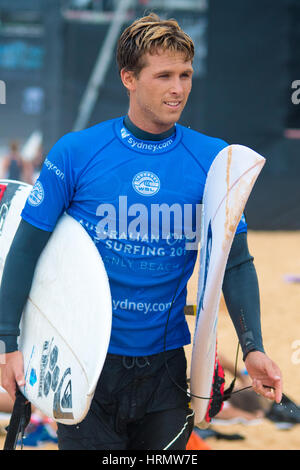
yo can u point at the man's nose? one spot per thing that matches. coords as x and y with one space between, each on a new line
176 86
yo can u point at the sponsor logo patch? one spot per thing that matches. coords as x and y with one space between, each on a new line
146 183
37 195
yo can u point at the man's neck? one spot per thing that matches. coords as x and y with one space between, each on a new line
144 135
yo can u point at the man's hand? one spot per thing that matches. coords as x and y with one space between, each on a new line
265 375
12 372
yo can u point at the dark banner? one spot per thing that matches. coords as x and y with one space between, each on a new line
252 61
22 61
30 66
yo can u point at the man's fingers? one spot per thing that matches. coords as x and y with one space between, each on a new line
9 385
18 370
278 389
271 392
12 392
274 378
258 387
263 390
20 379
12 373
276 381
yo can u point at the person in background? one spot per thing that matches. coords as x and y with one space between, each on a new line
13 166
37 163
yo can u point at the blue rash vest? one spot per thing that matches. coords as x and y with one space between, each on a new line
139 201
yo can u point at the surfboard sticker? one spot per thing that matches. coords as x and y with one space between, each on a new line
229 183
66 323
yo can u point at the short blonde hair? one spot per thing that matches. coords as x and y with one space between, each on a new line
148 35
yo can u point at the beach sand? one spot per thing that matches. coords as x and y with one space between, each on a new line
276 254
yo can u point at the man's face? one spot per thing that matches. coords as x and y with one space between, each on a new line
159 94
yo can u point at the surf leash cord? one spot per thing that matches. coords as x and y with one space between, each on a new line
19 420
230 390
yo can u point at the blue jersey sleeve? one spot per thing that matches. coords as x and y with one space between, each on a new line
242 226
53 191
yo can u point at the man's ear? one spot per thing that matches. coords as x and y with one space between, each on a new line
128 79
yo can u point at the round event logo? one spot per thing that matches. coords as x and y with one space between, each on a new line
37 194
146 183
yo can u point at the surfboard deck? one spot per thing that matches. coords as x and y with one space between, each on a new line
66 324
229 183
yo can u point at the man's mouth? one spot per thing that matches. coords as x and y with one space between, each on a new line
172 104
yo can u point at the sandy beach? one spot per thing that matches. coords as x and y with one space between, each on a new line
275 256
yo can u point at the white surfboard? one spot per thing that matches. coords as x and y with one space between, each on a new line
12 194
66 323
228 186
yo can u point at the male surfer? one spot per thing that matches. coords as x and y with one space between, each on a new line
112 178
